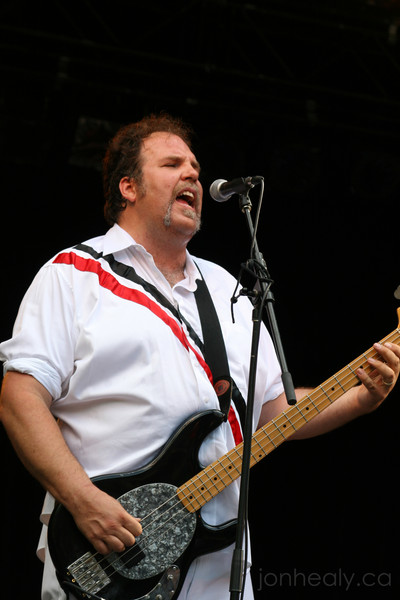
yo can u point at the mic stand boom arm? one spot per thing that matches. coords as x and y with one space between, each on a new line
264 298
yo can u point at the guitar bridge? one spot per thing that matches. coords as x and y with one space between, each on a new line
88 574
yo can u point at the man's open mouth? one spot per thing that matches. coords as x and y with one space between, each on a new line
187 196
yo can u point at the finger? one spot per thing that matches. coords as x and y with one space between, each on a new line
133 525
114 544
390 353
386 373
366 379
129 535
103 547
395 348
116 539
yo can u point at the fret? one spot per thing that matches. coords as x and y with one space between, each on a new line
364 364
230 468
192 495
309 396
203 489
264 440
328 397
287 414
277 427
308 408
354 375
338 382
188 499
216 479
234 460
213 478
260 453
297 407
270 440
228 475
352 378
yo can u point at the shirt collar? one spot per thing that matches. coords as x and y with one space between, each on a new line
191 274
117 239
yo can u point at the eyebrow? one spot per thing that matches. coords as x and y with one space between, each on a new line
195 163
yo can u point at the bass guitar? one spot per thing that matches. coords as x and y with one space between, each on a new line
167 495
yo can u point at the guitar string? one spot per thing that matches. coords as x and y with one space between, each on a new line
123 555
319 400
152 533
155 532
349 376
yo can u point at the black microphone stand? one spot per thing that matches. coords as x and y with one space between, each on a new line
262 298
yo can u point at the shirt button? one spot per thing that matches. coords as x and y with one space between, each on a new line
206 400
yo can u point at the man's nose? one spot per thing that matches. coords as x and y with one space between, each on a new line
190 172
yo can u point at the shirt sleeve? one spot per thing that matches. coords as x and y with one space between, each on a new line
44 333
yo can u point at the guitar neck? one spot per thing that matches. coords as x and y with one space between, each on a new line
218 475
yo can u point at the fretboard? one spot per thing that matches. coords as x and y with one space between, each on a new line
218 475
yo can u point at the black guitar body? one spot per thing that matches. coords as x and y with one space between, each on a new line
156 566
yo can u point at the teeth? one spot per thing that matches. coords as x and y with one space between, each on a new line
188 195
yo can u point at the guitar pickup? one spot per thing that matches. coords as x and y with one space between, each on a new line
131 556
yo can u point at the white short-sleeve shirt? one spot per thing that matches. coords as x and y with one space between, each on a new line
122 368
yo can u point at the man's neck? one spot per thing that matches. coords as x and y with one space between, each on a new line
169 254
170 261
172 276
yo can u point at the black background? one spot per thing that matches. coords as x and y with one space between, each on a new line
304 93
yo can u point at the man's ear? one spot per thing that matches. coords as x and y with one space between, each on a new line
128 189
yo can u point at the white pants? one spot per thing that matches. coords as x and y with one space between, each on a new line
207 579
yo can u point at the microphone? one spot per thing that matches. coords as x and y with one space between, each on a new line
221 190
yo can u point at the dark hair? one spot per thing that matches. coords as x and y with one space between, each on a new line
123 157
